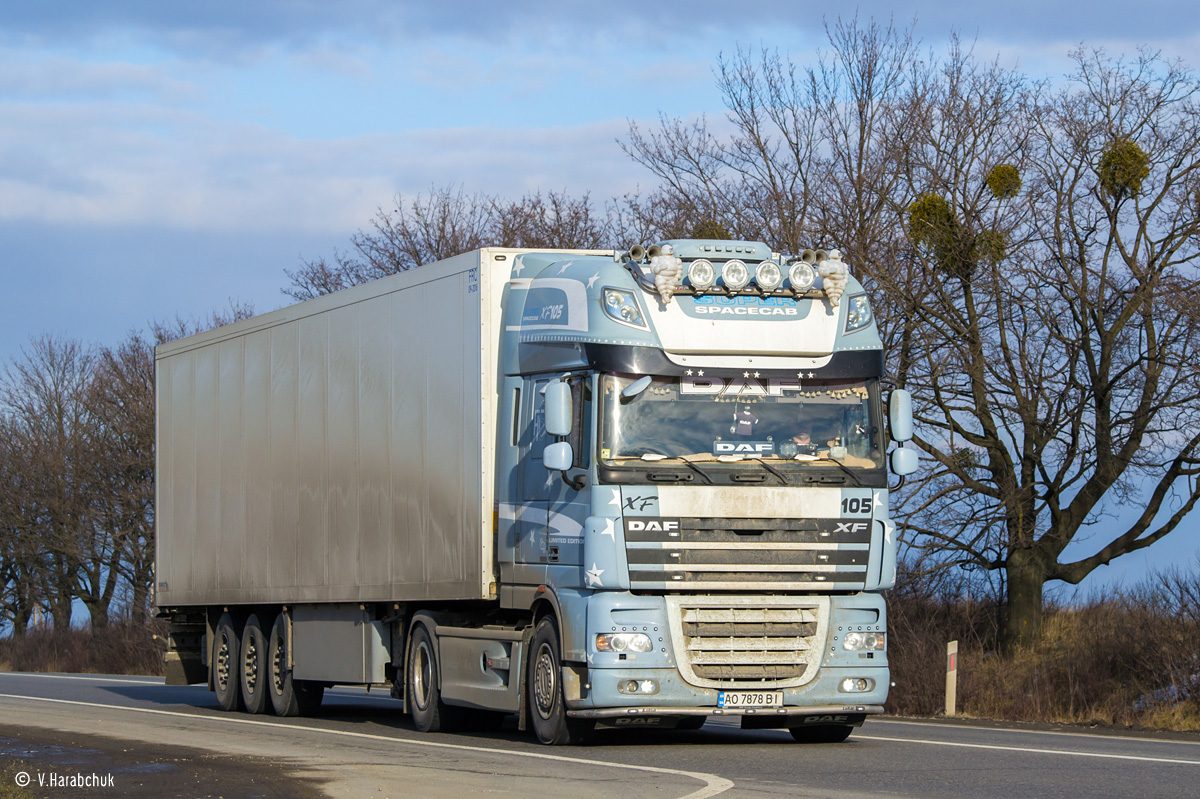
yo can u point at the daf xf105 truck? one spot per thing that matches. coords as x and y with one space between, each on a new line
587 488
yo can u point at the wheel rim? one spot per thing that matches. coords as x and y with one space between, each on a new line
422 678
277 675
250 664
545 682
223 658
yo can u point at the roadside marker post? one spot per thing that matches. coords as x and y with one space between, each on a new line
951 677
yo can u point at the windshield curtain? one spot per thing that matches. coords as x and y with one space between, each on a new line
786 421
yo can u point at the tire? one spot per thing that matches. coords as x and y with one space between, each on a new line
253 673
288 697
822 734
226 661
691 722
429 713
544 691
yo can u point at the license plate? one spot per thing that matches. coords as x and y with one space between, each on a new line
750 699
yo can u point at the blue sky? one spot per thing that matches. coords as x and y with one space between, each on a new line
161 158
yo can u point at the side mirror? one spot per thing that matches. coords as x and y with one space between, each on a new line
904 461
558 409
900 415
558 456
637 387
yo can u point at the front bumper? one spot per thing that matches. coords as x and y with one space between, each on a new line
650 710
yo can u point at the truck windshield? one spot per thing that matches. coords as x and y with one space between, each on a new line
788 423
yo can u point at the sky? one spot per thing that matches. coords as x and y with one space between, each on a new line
162 159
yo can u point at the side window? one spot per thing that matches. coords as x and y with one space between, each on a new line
581 427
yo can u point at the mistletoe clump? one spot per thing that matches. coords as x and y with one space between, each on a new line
1123 167
931 222
1004 181
710 229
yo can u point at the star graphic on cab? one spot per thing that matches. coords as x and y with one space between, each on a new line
592 280
609 530
592 576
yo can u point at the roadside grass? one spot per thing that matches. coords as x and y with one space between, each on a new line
1127 659
8 781
120 648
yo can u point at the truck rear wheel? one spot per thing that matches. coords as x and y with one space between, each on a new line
254 674
429 712
543 687
288 697
226 660
823 734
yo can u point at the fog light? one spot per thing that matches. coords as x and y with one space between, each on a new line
802 276
735 274
856 685
640 687
767 276
701 274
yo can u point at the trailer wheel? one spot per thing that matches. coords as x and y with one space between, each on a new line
226 658
288 697
543 686
429 712
254 673
823 734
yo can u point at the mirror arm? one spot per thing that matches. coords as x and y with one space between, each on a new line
578 482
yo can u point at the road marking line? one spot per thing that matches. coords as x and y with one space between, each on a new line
713 785
97 678
876 720
858 737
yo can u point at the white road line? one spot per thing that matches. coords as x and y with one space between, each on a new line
1026 749
96 678
713 785
876 720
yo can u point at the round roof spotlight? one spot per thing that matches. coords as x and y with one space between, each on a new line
735 274
701 274
802 276
768 276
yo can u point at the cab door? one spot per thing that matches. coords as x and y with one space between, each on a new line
534 482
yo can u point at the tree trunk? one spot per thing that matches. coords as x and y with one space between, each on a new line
1022 624
141 597
98 611
21 619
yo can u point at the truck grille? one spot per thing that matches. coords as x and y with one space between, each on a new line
767 642
702 554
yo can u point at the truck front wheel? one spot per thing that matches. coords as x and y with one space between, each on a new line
543 687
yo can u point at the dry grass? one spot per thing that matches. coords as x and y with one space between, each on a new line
8 783
121 648
1129 659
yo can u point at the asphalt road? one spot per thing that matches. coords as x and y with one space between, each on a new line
362 746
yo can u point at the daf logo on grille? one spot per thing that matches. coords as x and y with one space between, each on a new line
652 525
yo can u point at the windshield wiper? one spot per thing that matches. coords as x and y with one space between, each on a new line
696 469
840 465
772 470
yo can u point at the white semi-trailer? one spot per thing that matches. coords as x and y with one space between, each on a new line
587 488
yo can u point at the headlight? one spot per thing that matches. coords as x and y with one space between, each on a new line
865 642
621 305
701 274
623 642
858 313
735 274
768 276
802 276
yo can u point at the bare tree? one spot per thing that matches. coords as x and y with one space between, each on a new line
122 400
1058 237
449 221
